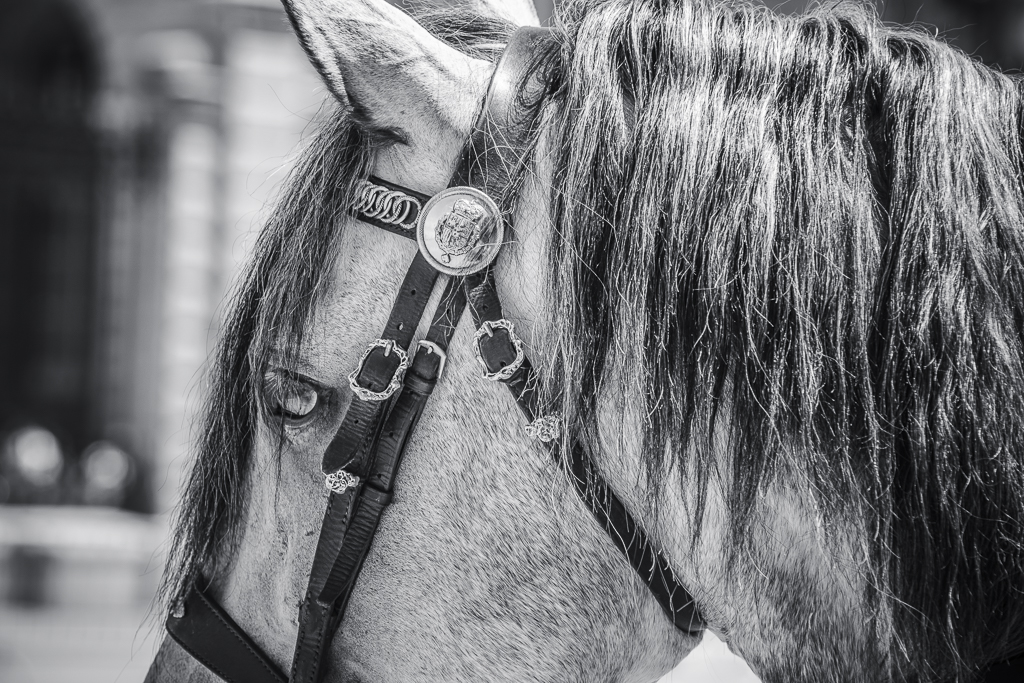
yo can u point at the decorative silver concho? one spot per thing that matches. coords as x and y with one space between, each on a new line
460 231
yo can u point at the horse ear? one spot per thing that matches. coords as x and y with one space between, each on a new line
395 76
519 12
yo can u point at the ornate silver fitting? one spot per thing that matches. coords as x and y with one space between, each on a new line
460 231
389 347
547 428
487 329
386 205
341 481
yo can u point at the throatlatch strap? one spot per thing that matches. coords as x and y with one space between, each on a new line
497 351
207 633
500 143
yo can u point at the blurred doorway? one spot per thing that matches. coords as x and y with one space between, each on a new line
48 227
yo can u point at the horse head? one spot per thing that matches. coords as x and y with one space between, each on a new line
769 271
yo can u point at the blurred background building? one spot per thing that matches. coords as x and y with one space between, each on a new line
140 141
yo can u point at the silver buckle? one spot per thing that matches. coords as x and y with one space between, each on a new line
396 379
341 481
487 328
431 347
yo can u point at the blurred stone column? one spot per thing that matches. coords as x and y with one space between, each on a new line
239 93
188 276
271 95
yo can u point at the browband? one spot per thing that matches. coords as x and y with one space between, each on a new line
391 385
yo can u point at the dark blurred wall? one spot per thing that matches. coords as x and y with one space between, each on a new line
991 29
48 218
140 142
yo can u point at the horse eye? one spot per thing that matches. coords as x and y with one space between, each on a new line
290 398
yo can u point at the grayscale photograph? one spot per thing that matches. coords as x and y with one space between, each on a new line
511 341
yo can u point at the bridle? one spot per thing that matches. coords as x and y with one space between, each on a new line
460 232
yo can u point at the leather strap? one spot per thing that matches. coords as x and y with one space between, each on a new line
207 633
379 480
359 429
501 138
352 517
498 351
419 384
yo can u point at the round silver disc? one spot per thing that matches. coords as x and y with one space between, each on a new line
460 231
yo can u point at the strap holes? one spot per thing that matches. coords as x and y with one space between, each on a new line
355 421
412 292
401 326
391 434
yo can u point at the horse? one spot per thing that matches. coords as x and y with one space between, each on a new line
770 272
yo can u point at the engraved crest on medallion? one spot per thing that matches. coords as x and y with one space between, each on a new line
460 229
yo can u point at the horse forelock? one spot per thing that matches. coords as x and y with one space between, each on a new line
271 307
803 229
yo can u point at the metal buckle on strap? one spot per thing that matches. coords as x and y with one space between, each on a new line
341 481
431 347
487 329
389 346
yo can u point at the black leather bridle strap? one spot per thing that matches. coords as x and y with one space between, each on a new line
353 448
420 380
357 435
353 516
318 620
207 633
379 480
498 351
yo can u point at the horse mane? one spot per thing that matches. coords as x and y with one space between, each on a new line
808 231
803 229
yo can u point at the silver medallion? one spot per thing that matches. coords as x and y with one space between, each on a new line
460 231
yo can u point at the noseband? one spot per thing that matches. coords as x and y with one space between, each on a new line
460 232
